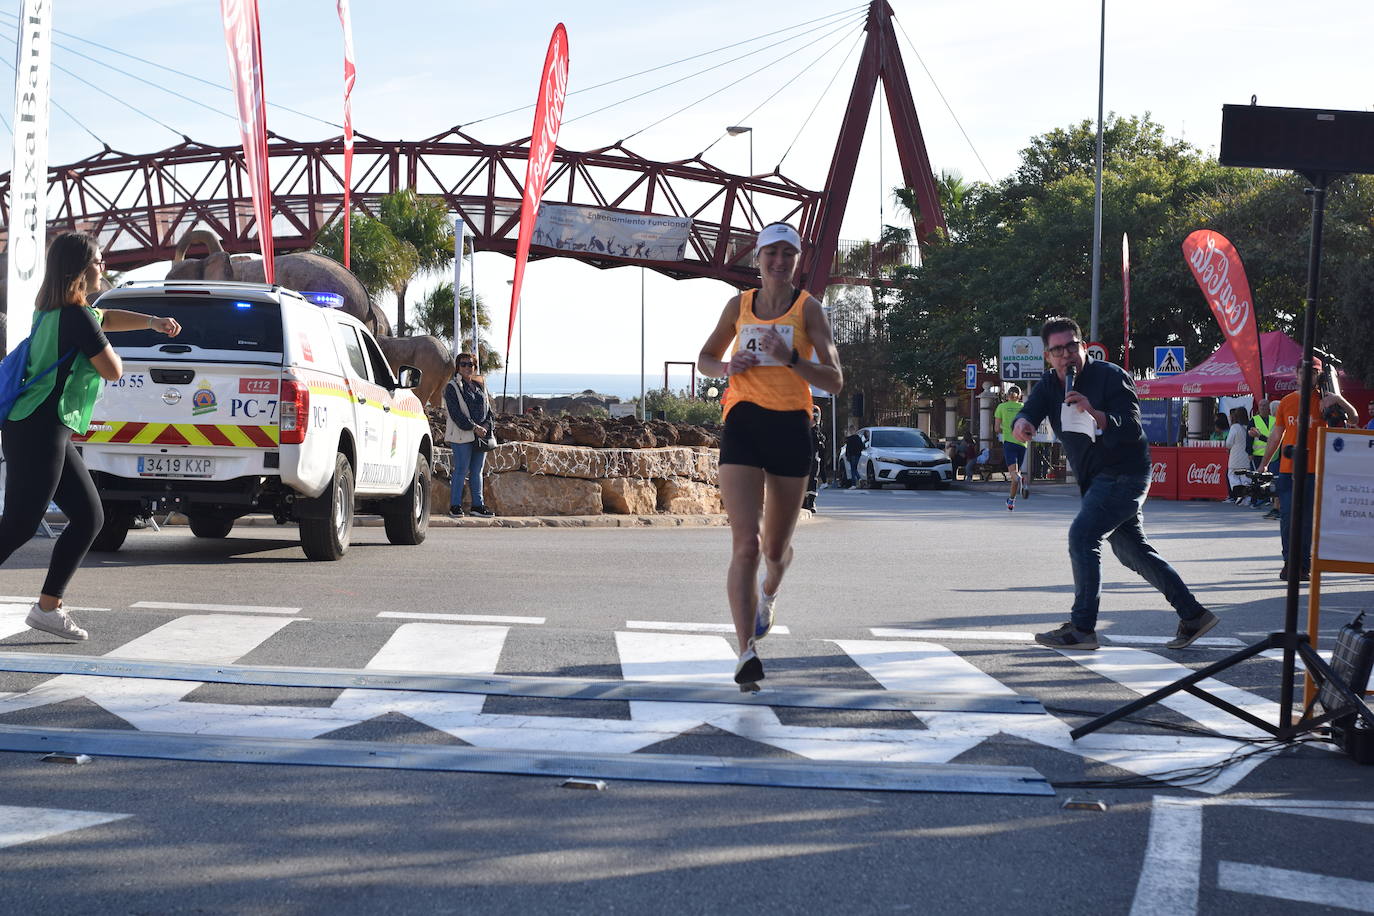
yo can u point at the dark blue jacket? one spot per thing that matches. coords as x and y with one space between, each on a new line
1122 449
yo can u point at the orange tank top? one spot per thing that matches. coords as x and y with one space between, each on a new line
770 384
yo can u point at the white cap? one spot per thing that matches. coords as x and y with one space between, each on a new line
777 232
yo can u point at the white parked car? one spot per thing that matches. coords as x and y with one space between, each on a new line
265 403
899 454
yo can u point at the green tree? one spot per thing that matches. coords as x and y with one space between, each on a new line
434 315
378 260
422 223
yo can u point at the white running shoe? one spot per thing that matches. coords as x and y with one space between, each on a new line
55 622
764 613
748 670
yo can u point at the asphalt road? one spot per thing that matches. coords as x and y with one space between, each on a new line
1279 833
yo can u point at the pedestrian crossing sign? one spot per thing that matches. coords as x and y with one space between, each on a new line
1169 361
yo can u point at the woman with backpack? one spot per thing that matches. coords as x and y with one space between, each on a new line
42 465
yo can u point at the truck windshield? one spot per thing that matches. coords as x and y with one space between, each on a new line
207 323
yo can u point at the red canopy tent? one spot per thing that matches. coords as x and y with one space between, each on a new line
1220 376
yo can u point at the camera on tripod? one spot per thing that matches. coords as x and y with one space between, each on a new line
1259 486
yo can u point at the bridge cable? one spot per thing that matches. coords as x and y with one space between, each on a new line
773 63
181 73
684 60
785 85
824 92
948 107
58 105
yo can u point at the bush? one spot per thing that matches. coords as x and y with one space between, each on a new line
678 408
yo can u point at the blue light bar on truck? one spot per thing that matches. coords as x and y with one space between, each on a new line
325 300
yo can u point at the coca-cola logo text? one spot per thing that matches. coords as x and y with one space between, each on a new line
1159 472
1207 474
1212 267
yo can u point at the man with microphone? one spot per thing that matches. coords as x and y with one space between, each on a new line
1092 406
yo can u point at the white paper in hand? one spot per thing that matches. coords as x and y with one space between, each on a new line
751 339
1073 420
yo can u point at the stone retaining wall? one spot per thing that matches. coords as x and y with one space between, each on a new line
534 478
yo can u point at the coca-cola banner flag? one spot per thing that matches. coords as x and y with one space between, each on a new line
28 222
548 118
1217 268
243 38
350 77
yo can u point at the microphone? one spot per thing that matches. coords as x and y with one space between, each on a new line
1068 381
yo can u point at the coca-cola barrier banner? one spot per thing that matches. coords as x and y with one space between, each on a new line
1218 270
243 37
548 118
1188 473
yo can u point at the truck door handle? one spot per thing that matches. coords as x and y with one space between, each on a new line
362 400
386 407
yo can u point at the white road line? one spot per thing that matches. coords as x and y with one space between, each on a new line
13 599
12 619
24 825
1169 877
462 618
1220 642
215 608
1277 655
680 627
1298 886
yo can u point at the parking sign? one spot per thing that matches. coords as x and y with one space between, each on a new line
971 375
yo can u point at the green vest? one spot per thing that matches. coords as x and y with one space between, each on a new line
78 396
1263 425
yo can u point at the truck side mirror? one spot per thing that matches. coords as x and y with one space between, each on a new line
408 377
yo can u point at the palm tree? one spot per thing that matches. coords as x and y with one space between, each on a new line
956 200
423 224
434 315
379 260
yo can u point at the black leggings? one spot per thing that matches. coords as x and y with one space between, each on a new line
41 466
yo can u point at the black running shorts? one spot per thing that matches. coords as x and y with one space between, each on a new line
779 441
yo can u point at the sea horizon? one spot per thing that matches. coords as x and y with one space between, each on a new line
558 384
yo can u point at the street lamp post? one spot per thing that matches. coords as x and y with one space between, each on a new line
519 353
735 131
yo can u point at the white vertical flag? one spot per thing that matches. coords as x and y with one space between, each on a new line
29 174
458 285
350 77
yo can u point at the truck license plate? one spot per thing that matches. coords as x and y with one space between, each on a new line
175 466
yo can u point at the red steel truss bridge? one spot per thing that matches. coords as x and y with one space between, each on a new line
140 205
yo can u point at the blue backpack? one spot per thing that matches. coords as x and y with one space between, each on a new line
12 367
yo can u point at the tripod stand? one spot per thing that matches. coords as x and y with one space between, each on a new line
1293 643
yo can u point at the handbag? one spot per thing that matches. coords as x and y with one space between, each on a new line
481 443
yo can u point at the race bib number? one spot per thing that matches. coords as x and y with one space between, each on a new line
751 339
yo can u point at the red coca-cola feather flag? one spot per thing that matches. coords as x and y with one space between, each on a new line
244 40
350 77
1217 267
548 118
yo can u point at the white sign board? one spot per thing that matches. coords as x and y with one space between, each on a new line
1346 496
637 236
1022 358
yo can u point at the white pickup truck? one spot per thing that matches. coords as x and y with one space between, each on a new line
265 403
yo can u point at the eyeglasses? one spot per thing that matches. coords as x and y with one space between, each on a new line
466 364
1064 349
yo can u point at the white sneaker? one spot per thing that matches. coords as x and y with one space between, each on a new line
55 622
763 616
748 670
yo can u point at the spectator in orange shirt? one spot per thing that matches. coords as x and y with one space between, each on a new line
1286 423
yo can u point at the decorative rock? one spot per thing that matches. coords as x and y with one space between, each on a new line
589 434
688 497
518 493
625 496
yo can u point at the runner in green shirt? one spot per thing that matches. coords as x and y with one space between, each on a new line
1004 419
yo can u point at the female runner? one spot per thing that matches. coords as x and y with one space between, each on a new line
765 451
41 463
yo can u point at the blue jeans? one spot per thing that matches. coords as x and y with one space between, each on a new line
853 469
1111 509
1283 489
467 468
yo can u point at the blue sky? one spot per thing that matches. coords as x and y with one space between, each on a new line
1009 70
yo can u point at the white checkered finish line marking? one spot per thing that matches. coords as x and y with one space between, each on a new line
918 667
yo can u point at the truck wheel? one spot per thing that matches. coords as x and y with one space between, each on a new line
407 516
211 526
119 519
327 538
